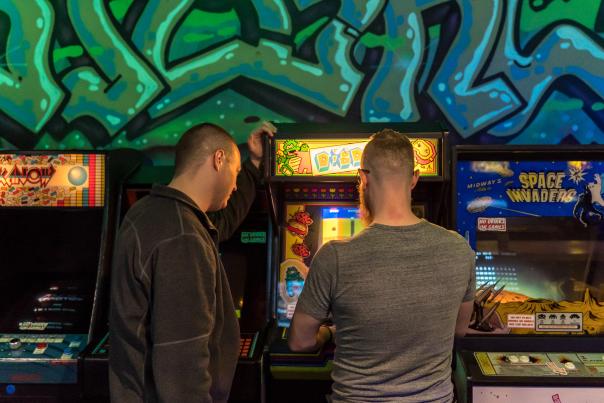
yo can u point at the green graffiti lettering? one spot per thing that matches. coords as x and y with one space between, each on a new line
331 83
119 77
26 70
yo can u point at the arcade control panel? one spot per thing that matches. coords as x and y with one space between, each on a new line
40 359
505 377
540 364
247 345
285 364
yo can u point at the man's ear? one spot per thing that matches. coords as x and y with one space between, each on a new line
414 179
364 178
219 159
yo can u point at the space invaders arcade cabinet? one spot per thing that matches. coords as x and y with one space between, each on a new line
535 217
314 199
245 258
58 218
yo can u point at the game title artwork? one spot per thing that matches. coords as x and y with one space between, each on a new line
52 180
319 157
531 188
541 187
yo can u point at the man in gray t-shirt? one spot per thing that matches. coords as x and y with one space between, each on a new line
397 292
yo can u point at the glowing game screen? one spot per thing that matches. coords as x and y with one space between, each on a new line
538 231
308 226
339 223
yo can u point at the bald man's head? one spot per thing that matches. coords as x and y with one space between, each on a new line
199 143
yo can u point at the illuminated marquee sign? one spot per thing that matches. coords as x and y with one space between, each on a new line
342 157
52 180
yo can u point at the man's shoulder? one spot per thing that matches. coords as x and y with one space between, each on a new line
447 238
162 218
334 246
151 208
326 255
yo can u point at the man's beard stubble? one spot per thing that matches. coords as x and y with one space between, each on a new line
366 207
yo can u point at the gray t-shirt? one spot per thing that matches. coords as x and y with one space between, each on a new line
394 293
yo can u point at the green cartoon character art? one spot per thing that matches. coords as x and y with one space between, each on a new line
288 159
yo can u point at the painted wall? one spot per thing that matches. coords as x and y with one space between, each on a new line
116 73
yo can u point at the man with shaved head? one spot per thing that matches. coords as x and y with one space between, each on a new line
174 333
398 291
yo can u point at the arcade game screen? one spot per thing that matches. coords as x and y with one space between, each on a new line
552 265
48 269
553 258
538 231
308 226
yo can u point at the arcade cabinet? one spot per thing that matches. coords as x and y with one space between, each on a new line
245 258
535 217
58 219
314 199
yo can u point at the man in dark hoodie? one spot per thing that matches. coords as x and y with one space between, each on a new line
174 334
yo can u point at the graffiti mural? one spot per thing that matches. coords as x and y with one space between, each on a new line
137 73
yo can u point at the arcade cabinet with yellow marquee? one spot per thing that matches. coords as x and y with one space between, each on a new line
314 199
535 217
58 217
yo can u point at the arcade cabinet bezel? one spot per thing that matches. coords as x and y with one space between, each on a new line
468 375
526 152
118 164
276 184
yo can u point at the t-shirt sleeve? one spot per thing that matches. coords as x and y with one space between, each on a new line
316 297
471 290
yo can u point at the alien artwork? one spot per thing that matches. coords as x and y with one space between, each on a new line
589 208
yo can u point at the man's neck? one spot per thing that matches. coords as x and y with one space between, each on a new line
198 195
396 219
394 209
